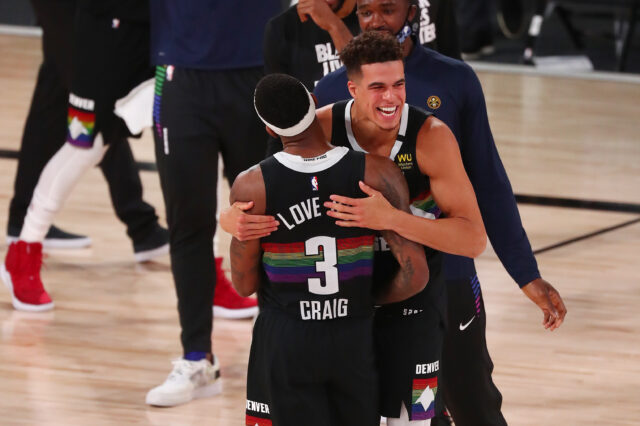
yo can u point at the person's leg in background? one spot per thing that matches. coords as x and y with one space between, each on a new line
46 125
187 147
242 147
121 173
45 132
476 28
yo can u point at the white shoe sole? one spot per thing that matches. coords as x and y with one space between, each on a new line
6 277
172 400
147 255
54 243
220 312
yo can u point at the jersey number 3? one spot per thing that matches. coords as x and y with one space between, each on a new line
327 265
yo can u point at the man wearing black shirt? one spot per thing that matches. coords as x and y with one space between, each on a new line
304 41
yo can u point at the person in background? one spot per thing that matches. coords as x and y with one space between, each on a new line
209 59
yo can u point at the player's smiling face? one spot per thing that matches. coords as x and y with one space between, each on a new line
380 93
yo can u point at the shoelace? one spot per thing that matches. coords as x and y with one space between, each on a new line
182 368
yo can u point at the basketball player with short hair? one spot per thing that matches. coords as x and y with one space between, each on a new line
450 89
408 334
312 358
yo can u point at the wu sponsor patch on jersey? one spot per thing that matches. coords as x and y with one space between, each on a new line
404 161
423 398
434 102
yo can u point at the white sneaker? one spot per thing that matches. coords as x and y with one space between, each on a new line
187 381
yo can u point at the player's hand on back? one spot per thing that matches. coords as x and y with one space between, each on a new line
245 226
372 212
548 300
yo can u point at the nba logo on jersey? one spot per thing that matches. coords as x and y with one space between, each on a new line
314 183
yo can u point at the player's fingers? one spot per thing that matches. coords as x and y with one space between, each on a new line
245 232
242 205
367 189
559 304
256 222
338 207
253 235
345 200
302 12
545 321
342 216
347 223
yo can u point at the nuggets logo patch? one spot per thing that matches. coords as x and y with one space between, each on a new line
423 398
80 127
434 102
257 421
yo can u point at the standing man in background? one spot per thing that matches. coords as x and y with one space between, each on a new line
209 59
304 40
451 90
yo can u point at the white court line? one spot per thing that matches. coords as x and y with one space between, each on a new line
21 30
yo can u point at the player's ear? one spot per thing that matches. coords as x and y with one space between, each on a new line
271 132
352 88
315 100
412 12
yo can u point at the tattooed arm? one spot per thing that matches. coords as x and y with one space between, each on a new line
245 255
413 275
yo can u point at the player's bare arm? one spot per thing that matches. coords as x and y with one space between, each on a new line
461 232
413 274
245 255
237 219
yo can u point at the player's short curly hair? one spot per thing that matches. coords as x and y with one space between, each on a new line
281 100
370 47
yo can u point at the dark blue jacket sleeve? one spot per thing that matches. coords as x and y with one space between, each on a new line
493 189
332 88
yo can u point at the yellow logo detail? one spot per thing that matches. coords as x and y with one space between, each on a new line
434 102
405 158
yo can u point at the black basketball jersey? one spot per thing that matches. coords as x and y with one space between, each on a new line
316 270
422 203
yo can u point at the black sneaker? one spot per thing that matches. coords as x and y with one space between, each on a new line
155 245
511 18
56 238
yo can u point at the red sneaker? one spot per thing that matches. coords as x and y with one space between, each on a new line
226 302
21 273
